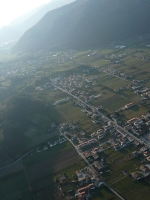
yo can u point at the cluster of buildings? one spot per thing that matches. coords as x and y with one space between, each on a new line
64 56
44 87
143 91
99 134
68 126
120 140
88 175
116 73
85 192
94 115
139 126
61 101
87 143
141 57
129 105
93 152
50 144
77 85
143 172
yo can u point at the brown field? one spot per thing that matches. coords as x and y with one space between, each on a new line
52 164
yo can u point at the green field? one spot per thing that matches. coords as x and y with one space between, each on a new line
14 187
112 82
36 157
135 190
118 162
71 113
135 111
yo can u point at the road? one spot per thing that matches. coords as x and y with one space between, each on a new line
81 154
114 191
119 128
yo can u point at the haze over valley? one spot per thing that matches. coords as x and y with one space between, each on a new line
75 101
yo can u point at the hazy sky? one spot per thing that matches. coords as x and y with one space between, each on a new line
11 9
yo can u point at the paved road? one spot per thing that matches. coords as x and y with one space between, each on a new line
119 128
81 154
114 191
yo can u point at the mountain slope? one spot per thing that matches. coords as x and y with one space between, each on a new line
15 30
87 23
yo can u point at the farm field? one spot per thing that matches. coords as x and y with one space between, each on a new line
38 157
135 190
71 113
114 103
119 161
51 164
112 82
14 187
103 78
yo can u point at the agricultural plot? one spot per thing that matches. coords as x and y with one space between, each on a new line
145 67
132 96
134 190
104 194
114 103
142 75
112 82
38 157
133 61
107 51
135 111
100 62
50 165
120 161
14 187
71 113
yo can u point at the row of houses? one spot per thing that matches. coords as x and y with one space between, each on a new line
144 172
62 101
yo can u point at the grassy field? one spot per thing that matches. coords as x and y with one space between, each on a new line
112 82
133 61
71 113
132 96
135 190
135 111
100 62
114 103
104 194
36 157
107 51
119 161
69 171
14 188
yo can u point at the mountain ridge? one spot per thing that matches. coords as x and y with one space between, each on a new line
87 23
10 33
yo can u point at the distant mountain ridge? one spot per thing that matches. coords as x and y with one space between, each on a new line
87 23
18 26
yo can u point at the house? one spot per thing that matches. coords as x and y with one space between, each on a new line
136 175
86 189
95 155
145 170
81 197
127 106
148 158
99 165
87 154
